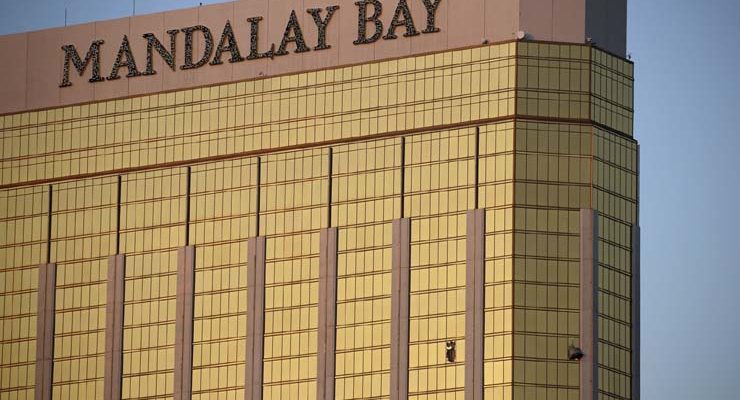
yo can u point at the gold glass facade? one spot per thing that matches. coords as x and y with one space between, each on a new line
222 217
23 249
367 201
530 132
83 230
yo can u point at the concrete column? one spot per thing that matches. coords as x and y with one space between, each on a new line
589 304
327 314
475 278
636 312
400 298
256 253
184 323
114 327
45 330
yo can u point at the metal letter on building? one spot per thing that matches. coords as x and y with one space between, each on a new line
184 323
327 313
474 304
256 253
114 328
589 304
400 297
45 330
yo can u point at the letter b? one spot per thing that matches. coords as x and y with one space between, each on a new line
363 19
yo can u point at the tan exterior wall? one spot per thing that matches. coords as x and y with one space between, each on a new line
32 80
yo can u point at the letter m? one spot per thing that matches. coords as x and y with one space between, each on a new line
71 55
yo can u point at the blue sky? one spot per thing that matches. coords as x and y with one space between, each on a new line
686 54
687 99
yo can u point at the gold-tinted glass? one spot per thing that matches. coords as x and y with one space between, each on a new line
612 91
553 80
292 210
570 147
223 210
615 196
561 168
152 229
439 186
496 191
575 82
83 228
22 248
367 182
306 108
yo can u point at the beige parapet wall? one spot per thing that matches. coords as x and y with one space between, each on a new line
33 70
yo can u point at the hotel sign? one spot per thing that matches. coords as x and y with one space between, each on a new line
370 29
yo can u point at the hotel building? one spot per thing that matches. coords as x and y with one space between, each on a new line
336 199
